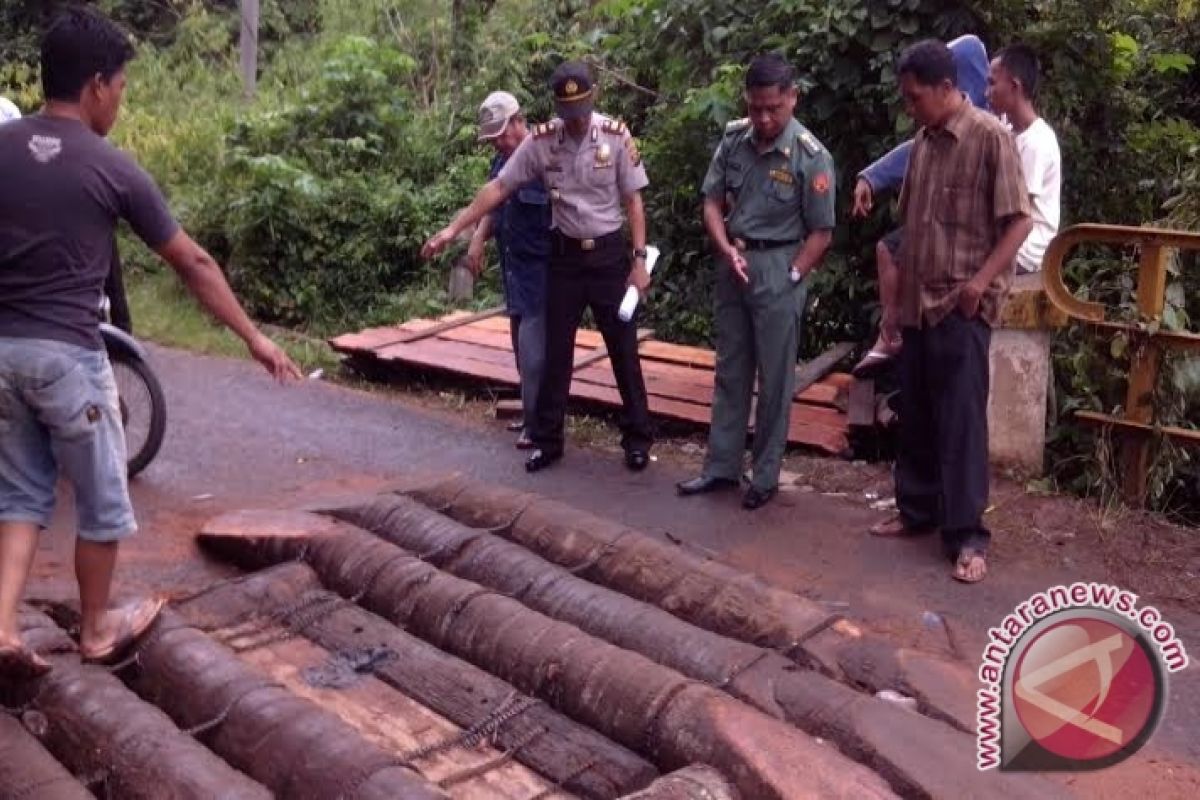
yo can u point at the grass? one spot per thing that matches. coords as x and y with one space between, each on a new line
165 313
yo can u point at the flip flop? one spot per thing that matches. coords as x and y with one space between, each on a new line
128 631
894 528
518 425
964 561
21 664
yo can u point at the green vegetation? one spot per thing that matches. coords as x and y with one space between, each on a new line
164 312
360 143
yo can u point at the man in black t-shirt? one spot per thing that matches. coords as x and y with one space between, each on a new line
65 189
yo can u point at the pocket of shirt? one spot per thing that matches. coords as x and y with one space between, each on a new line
950 208
783 192
533 197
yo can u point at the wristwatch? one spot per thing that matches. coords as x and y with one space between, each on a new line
640 253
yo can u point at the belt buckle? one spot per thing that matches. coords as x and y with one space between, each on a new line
587 244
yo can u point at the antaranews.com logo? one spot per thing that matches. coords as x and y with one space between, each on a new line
1074 679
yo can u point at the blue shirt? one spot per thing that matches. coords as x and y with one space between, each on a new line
521 227
970 56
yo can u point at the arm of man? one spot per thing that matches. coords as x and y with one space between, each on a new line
820 212
998 261
631 180
884 175
714 215
204 278
486 201
635 212
1011 210
479 239
142 204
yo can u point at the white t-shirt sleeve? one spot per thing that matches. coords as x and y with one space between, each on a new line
8 110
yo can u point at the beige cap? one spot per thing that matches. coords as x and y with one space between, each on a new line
494 114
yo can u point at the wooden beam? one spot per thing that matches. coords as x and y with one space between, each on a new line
812 371
445 325
1187 436
1143 373
862 404
601 352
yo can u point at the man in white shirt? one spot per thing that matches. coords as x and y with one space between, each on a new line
1012 91
8 110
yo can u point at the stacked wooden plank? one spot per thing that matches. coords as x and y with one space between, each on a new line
679 379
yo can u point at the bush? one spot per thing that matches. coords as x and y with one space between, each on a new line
329 197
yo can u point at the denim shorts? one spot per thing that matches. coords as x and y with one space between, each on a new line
59 412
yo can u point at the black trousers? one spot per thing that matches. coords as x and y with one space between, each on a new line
595 279
942 463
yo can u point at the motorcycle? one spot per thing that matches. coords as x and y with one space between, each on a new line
142 402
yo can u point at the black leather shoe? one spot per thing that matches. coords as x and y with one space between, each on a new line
637 460
757 498
704 485
540 459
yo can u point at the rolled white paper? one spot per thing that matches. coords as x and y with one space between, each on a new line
630 302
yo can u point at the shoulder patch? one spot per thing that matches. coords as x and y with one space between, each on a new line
735 125
614 126
810 143
544 129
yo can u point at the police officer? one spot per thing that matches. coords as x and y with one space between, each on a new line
769 210
592 169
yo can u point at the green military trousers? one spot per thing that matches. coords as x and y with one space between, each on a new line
758 334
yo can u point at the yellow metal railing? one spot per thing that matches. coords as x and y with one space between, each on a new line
1147 342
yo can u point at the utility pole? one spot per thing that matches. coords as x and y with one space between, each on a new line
249 47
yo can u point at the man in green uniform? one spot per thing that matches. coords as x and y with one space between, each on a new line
769 210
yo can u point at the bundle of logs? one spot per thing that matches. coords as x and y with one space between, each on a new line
594 660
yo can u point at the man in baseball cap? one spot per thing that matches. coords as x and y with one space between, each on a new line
521 227
494 114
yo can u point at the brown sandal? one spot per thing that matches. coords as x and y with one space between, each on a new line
19 663
894 528
136 619
962 566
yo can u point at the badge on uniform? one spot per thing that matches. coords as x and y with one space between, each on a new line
603 156
820 183
783 176
635 157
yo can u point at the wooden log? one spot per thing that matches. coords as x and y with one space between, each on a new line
294 747
696 782
29 772
102 731
382 715
917 754
625 696
704 592
707 593
566 753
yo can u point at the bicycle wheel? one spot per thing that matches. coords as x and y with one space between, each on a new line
143 409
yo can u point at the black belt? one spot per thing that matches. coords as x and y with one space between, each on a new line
769 244
565 244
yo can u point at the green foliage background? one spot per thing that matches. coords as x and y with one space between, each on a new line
360 143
